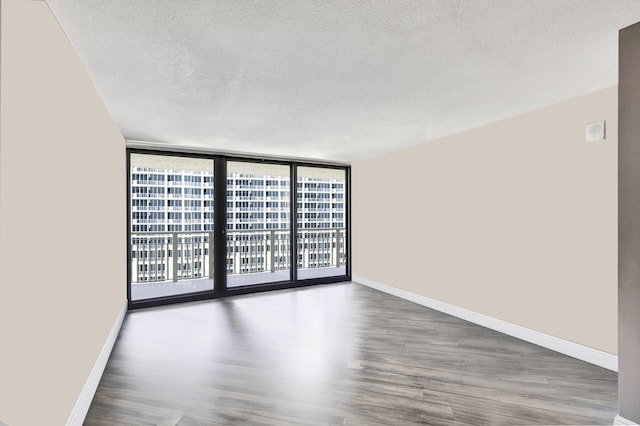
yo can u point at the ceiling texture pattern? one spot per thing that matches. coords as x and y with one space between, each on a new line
336 80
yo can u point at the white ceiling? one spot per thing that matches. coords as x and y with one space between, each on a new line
336 80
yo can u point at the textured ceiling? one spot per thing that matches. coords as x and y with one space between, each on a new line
336 80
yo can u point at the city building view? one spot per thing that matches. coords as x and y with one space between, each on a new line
172 223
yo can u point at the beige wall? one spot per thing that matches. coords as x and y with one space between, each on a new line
516 220
62 220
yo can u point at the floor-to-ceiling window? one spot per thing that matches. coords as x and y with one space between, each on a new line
204 226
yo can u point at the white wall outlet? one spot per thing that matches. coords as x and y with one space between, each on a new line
596 131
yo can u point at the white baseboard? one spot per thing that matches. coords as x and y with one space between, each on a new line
83 403
581 352
619 420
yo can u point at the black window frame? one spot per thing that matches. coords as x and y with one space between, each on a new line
220 225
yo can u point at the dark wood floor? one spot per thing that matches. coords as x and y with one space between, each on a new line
337 354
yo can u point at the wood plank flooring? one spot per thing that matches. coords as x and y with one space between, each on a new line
340 354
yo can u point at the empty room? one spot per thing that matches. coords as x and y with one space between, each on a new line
319 213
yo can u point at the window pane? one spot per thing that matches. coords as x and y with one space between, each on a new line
321 222
258 236
171 225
